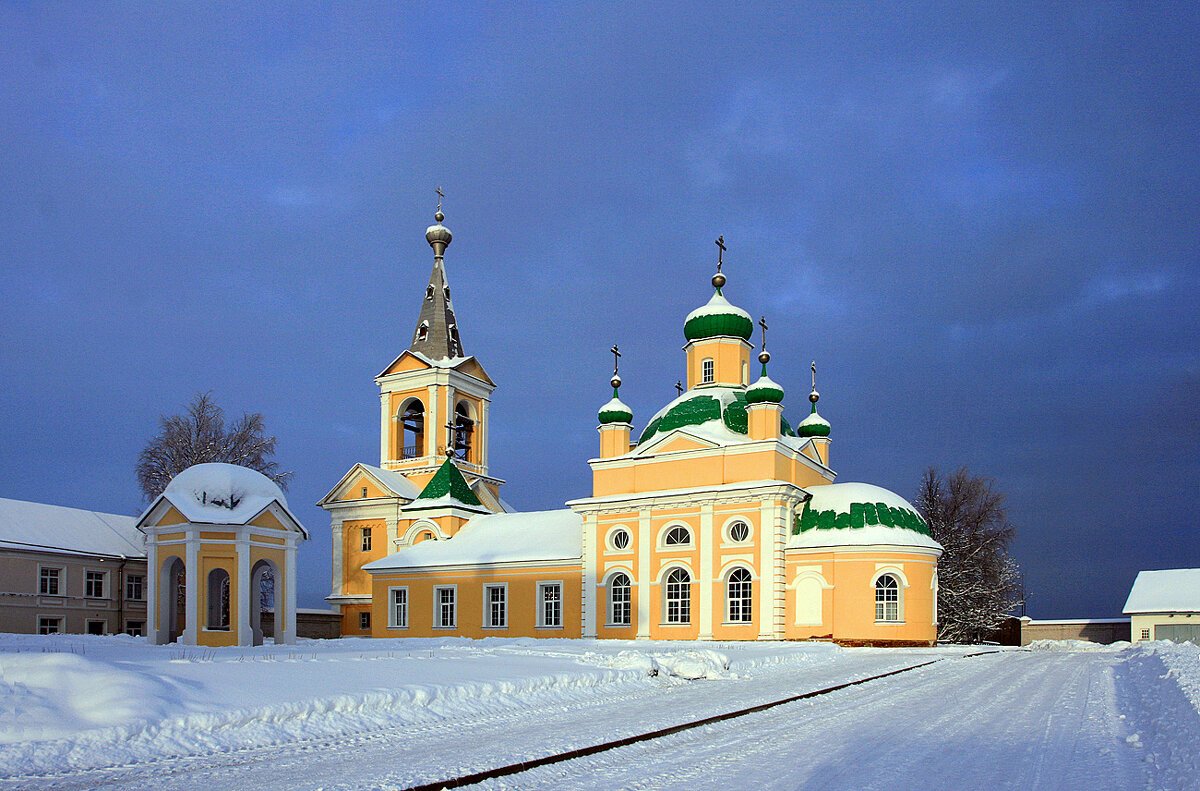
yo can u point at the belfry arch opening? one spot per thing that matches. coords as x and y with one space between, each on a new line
464 432
412 429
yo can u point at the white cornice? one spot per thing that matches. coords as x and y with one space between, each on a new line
460 567
720 494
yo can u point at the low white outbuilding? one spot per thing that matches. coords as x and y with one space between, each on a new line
1165 605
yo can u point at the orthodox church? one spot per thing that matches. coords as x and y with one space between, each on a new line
717 521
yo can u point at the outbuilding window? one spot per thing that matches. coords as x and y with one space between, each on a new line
446 616
495 602
398 608
550 604
887 599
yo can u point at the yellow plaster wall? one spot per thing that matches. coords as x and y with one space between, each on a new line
406 362
172 517
213 557
355 581
762 421
720 466
848 609
354 490
267 519
729 355
522 601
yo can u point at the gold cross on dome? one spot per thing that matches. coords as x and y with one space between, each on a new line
440 195
814 374
720 252
763 323
616 353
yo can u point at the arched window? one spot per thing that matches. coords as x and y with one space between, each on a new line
423 331
737 596
620 600
412 430
429 291
218 599
446 292
887 598
678 601
706 371
678 537
464 428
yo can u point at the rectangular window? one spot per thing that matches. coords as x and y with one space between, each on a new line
706 371
50 581
364 620
363 492
93 584
49 625
97 627
446 614
366 539
398 608
135 628
1145 634
620 601
135 587
495 604
550 604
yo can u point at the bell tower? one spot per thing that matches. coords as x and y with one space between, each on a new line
434 398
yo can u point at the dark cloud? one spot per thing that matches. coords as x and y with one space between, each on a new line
980 223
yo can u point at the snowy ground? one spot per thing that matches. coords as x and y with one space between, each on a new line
83 712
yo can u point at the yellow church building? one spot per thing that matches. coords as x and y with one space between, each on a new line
719 521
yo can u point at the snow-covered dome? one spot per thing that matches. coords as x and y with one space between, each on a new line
719 317
217 492
765 391
813 426
616 411
841 514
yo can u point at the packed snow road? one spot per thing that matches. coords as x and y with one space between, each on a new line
1008 720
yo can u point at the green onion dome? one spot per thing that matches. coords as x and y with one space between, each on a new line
814 425
718 318
616 410
766 390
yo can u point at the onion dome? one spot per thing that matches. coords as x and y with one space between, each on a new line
814 425
766 390
438 234
616 410
718 318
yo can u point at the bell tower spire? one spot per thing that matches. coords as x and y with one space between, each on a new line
436 335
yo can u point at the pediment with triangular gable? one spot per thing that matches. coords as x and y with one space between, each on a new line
378 482
678 440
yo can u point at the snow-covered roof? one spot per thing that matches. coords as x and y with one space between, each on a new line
1169 590
222 494
26 525
396 482
858 514
533 536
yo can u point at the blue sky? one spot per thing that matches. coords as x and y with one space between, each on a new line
981 223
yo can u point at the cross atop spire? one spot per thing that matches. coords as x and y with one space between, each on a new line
436 335
440 195
720 251
814 374
763 323
616 353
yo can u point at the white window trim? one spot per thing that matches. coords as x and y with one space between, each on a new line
89 621
391 607
725 584
133 621
437 607
486 620
62 623
663 546
901 585
62 580
366 538
727 541
128 579
370 621
541 609
708 376
610 548
666 572
105 585
607 585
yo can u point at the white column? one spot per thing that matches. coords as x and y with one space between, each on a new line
766 570
385 427
484 424
449 416
591 563
152 572
245 632
645 541
289 596
432 422
705 572
191 577
337 528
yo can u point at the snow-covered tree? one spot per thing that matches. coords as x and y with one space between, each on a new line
200 436
979 584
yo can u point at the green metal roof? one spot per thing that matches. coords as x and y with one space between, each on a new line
449 480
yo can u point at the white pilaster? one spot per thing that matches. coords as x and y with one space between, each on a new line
152 571
289 595
393 532
337 528
432 421
645 541
385 427
191 585
485 424
766 571
245 632
590 574
705 572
